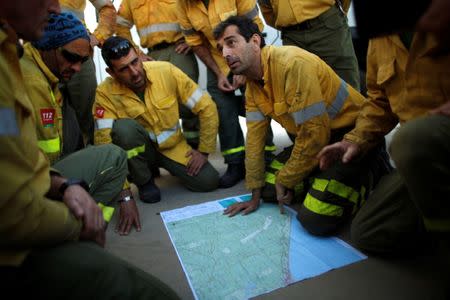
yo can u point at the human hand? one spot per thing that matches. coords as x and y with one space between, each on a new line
239 81
83 207
284 196
436 20
344 150
182 48
128 217
444 109
197 161
224 85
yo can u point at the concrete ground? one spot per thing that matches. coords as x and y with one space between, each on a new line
425 275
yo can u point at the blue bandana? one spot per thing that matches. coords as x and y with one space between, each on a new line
61 30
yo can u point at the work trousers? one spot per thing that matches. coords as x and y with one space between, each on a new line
229 108
331 197
329 37
188 64
79 270
81 88
415 198
129 135
104 168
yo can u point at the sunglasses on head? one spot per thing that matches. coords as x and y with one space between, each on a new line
72 57
121 48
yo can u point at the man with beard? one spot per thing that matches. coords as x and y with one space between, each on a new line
302 93
47 64
137 108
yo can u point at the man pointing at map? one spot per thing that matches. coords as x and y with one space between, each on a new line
302 93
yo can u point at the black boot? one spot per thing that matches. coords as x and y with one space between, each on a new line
149 192
234 174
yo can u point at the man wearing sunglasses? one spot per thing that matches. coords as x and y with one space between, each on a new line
138 110
47 65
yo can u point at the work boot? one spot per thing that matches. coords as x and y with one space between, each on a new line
149 192
234 174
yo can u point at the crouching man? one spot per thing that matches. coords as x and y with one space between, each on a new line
137 109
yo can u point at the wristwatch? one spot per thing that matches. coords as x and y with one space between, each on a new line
73 181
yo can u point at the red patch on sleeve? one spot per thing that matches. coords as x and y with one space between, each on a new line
99 112
48 117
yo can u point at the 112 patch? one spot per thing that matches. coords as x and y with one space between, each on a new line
48 117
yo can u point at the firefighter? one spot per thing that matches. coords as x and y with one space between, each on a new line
50 227
408 81
318 26
197 20
302 93
159 32
83 84
48 63
137 109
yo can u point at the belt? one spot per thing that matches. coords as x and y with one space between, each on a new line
160 46
308 24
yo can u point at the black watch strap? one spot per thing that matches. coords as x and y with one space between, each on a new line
73 181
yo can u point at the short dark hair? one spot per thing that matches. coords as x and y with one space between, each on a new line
247 28
115 47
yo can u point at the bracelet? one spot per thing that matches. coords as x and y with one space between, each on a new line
72 181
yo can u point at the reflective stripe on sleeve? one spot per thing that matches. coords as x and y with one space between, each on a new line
309 112
254 116
322 208
104 123
77 13
123 22
98 4
161 27
50 146
276 165
252 14
189 31
270 178
270 148
339 100
8 122
194 98
163 136
191 134
335 187
233 150
135 151
107 211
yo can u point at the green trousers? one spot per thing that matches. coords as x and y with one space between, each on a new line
80 270
143 156
81 88
188 64
329 37
331 197
103 167
414 199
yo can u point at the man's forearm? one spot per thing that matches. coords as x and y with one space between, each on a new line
205 56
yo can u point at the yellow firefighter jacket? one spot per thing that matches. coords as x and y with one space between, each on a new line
284 13
402 85
106 15
198 22
42 87
156 21
28 219
167 86
304 95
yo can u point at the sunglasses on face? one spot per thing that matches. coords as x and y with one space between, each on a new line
72 57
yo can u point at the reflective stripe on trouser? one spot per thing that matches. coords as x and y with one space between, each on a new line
107 211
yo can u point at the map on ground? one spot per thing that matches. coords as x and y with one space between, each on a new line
245 256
